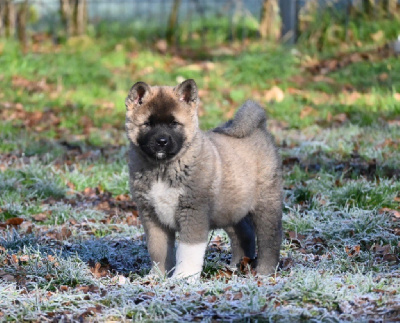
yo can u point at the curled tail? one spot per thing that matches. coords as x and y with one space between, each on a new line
248 118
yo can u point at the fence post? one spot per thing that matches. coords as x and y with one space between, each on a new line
289 13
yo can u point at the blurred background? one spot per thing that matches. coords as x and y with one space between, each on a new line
80 57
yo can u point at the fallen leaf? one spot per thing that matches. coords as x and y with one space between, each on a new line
14 221
383 77
341 117
40 217
274 94
307 111
14 259
351 98
99 271
378 36
24 258
86 289
51 258
235 296
353 251
390 257
224 273
211 298
64 233
394 213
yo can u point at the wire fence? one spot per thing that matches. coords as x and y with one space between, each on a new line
197 21
148 20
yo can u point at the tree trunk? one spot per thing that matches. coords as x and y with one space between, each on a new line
22 16
74 16
389 7
269 24
2 18
173 21
80 17
9 18
66 16
368 6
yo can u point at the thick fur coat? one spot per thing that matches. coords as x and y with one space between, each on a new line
186 181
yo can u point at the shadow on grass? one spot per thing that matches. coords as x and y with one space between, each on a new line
117 255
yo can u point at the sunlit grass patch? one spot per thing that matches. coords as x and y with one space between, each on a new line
366 195
261 69
110 176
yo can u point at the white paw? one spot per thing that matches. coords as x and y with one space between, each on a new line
189 260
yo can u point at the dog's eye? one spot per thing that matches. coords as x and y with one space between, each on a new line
146 124
174 124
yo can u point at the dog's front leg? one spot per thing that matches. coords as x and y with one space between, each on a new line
160 243
193 235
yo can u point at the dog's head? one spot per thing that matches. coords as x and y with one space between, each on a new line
162 120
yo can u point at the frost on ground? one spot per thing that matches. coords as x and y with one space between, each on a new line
78 253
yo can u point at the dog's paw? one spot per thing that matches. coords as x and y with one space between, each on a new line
266 270
189 278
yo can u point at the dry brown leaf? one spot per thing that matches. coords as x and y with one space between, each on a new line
378 36
224 273
100 271
394 213
123 197
14 221
40 217
64 233
307 111
390 257
235 296
211 298
350 98
71 185
274 94
341 118
24 258
14 259
383 77
353 251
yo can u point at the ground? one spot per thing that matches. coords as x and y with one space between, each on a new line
71 244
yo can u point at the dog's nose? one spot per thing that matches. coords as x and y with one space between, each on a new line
162 141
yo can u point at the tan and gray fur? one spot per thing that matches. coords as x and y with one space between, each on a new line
187 181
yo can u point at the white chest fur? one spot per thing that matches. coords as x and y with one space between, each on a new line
165 199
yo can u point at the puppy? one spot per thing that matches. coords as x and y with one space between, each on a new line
187 181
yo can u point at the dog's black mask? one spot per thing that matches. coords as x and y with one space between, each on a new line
161 140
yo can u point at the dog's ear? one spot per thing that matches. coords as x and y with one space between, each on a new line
137 95
187 91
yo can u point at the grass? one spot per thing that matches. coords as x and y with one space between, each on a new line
79 253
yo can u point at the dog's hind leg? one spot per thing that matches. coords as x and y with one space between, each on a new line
243 243
267 218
